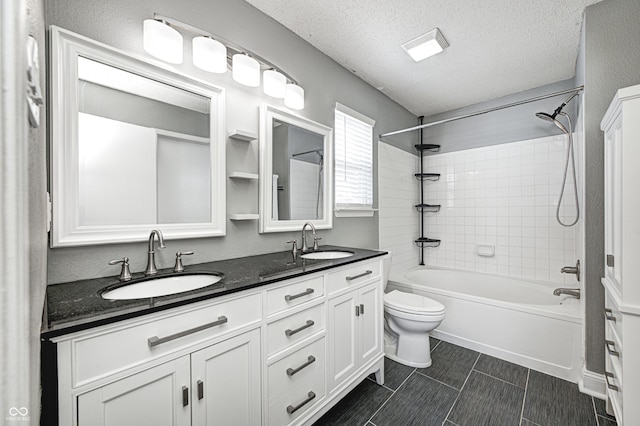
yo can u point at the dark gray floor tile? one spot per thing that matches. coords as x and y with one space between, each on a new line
606 421
486 400
357 407
503 370
601 408
394 373
433 342
419 401
552 401
451 364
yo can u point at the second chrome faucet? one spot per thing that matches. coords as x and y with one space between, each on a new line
151 261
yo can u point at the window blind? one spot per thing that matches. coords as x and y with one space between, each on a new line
353 162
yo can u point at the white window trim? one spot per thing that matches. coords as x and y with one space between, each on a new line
343 210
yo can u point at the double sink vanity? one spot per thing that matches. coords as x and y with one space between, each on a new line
271 339
274 339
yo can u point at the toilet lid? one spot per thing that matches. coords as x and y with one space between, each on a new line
412 303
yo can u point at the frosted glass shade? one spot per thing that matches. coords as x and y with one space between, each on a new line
162 41
274 83
294 97
246 70
209 55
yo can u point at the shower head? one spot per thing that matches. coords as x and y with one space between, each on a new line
558 111
552 118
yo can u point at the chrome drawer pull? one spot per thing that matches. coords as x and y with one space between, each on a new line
608 314
361 309
289 298
609 385
200 389
310 360
291 409
290 332
155 340
611 346
355 277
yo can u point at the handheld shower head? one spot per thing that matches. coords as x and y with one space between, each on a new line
558 111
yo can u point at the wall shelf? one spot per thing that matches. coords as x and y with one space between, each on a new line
243 175
431 208
427 176
244 216
423 242
242 135
427 147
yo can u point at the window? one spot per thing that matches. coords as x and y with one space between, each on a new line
353 163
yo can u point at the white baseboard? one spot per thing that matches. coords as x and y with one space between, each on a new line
593 384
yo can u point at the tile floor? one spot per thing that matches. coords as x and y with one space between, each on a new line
465 388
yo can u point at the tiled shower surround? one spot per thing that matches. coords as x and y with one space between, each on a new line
503 196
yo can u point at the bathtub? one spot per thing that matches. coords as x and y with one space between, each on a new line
513 319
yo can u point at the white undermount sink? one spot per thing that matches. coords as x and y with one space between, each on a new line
161 286
328 254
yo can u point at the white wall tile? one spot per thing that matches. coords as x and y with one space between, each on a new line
504 195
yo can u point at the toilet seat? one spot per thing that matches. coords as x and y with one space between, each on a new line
414 304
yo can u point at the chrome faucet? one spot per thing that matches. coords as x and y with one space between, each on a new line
305 248
151 261
575 292
572 270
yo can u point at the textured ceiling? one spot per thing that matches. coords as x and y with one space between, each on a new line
498 47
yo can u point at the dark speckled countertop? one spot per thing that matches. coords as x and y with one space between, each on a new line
77 305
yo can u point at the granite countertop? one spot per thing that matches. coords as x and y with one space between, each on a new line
77 305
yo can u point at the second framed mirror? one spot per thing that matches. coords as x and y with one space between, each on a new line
296 171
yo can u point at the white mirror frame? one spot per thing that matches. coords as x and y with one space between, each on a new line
268 114
65 48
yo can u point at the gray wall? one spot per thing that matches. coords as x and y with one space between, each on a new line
611 60
503 126
118 23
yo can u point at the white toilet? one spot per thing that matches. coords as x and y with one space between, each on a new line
408 320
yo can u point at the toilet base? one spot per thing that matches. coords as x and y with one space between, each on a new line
391 352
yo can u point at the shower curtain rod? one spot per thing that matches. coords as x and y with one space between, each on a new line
473 114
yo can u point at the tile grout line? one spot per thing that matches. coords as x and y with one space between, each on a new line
437 381
498 378
460 392
595 412
524 397
393 392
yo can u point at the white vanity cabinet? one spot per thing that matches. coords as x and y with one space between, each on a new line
621 126
355 320
282 354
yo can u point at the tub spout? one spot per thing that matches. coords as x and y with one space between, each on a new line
575 292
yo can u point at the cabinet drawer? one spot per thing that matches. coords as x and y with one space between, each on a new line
360 273
294 328
281 298
612 314
116 349
292 378
613 383
613 348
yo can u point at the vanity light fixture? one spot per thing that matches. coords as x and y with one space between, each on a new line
246 70
426 45
274 83
162 41
215 54
294 96
209 54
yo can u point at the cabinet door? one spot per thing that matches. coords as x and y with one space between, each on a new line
226 382
370 323
151 397
343 357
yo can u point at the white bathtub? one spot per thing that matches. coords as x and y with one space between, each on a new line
513 319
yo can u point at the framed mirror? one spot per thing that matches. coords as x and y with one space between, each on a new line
296 171
134 147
